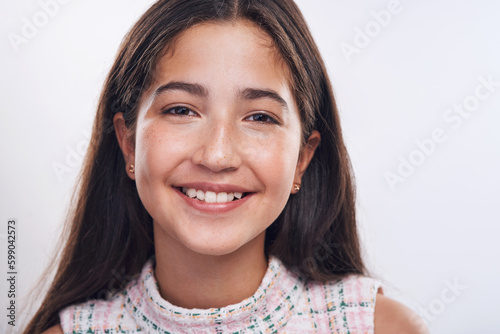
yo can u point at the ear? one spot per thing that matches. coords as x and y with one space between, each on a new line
305 156
125 142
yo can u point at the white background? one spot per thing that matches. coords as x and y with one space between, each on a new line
440 225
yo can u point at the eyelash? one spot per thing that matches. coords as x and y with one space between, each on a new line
270 119
168 111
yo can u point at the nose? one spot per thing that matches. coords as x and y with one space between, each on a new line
218 149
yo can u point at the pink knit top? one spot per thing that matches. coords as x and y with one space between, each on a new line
283 303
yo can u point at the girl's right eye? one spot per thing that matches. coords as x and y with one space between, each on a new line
179 111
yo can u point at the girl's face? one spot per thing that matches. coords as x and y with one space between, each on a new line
217 142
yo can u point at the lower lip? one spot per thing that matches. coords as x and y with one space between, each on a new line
213 207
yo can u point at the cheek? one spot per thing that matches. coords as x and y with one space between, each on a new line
161 149
155 153
275 165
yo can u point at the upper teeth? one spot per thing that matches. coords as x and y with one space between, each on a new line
210 196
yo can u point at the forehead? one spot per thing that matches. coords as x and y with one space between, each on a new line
238 48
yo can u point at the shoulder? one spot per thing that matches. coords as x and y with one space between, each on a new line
353 291
346 303
57 329
116 313
392 317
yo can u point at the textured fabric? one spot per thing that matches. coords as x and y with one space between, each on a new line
281 304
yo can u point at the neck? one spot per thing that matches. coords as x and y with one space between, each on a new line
193 280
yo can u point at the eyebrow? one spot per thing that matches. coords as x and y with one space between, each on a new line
202 91
193 89
256 93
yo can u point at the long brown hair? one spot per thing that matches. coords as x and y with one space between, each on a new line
109 232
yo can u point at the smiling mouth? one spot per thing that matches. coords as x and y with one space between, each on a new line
210 196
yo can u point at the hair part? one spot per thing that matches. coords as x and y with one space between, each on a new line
110 233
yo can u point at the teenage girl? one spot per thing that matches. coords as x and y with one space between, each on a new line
217 194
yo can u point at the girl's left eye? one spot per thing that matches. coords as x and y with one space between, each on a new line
262 118
180 111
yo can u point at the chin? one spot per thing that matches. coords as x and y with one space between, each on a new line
213 238
214 246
